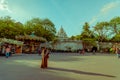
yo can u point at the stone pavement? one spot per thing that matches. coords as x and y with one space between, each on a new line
69 66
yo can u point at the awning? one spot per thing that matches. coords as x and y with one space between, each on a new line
11 41
30 37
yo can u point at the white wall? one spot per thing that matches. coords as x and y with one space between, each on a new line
64 45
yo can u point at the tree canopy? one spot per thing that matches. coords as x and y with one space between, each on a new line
102 31
9 28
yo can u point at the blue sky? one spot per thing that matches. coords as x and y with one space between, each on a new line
70 14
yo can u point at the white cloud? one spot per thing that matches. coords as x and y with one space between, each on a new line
110 6
4 6
93 19
105 10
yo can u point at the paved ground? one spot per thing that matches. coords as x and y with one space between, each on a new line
69 66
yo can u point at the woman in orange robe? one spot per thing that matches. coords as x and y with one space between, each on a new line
46 58
43 58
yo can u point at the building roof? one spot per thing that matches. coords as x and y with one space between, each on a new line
11 41
61 33
30 37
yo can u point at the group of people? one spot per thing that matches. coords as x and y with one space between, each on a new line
45 55
93 50
6 50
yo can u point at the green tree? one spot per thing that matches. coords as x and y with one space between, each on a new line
43 28
19 28
87 33
34 25
50 29
116 38
77 37
101 31
87 36
9 28
115 25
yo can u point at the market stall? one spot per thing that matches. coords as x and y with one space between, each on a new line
31 42
13 44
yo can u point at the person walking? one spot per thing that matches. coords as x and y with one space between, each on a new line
7 52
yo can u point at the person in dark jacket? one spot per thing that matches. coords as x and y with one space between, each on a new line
94 49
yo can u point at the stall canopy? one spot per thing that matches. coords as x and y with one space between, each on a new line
31 42
30 37
10 41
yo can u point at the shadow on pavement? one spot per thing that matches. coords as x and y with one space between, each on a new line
82 72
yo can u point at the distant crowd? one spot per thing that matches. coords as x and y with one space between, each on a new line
7 50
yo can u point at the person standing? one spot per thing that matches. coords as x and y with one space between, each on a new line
118 52
3 50
46 58
94 49
7 52
43 57
39 51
